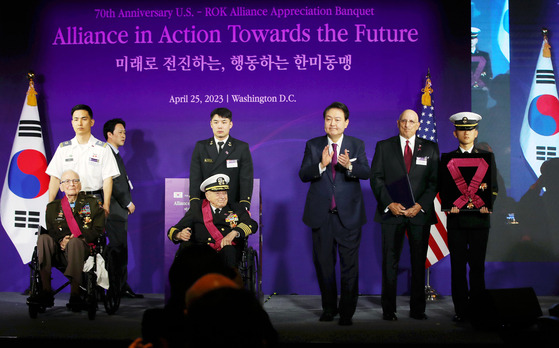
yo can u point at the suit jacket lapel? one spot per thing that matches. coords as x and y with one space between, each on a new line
417 146
329 168
228 149
211 149
121 167
400 156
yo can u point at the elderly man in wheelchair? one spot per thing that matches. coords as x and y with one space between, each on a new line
73 223
222 225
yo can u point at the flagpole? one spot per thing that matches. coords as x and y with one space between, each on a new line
430 293
437 245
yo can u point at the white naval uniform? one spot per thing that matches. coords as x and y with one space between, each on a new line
94 162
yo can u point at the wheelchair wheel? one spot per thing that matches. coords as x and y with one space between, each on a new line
111 299
33 310
91 308
34 287
251 271
91 296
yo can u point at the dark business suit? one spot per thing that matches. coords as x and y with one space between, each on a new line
234 160
387 167
117 222
341 229
468 233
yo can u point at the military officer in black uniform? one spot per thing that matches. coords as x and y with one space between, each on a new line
468 229
215 222
222 154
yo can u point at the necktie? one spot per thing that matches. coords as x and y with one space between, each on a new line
220 146
407 155
334 159
333 165
217 211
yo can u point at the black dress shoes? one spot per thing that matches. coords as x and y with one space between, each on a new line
327 316
44 298
418 316
389 316
131 294
76 303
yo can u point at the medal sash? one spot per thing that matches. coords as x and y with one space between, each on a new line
468 191
209 223
70 220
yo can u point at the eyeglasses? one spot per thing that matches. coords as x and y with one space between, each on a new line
410 122
70 181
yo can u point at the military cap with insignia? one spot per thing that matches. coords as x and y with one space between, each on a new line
217 182
475 32
465 120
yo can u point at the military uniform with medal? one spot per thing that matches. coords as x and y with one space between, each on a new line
469 174
223 226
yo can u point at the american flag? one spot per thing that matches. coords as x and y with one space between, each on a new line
438 242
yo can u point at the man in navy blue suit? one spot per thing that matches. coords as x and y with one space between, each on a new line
333 164
418 159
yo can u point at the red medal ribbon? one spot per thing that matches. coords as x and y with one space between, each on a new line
468 192
70 220
209 223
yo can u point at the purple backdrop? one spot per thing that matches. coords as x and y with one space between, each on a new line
165 88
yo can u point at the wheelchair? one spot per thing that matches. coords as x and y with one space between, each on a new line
250 271
91 292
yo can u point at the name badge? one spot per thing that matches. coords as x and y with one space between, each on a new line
232 164
208 160
421 161
94 160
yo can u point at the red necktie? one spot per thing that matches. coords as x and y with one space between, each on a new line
333 164
407 155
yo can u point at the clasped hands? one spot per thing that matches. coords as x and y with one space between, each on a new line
65 241
398 209
186 233
483 210
343 158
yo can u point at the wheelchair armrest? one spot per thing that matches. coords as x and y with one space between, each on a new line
42 230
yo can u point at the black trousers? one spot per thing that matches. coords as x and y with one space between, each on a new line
331 238
392 242
117 249
467 248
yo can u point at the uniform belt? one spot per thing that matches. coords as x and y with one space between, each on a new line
97 192
333 211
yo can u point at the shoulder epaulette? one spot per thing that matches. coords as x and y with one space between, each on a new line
101 143
66 143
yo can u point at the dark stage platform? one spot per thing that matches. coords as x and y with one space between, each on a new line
295 317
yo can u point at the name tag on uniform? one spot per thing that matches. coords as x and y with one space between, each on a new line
232 164
208 160
421 161
70 159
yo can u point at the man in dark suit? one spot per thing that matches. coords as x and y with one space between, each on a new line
215 222
225 155
121 206
333 164
418 159
468 230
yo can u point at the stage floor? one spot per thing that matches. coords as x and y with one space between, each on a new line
295 317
